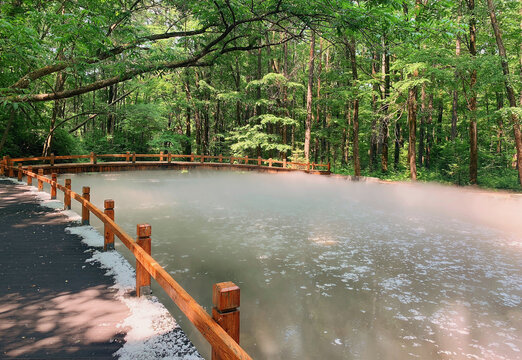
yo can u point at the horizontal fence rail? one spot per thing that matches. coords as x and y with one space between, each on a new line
168 157
221 329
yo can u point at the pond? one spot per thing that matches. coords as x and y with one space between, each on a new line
335 269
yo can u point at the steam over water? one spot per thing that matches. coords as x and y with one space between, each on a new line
330 269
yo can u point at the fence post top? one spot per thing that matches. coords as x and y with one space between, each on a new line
143 230
225 296
108 204
86 189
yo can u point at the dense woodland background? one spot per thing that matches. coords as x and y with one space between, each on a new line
425 89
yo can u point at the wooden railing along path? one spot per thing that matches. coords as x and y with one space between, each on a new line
168 158
221 329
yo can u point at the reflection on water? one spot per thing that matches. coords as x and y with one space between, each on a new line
332 269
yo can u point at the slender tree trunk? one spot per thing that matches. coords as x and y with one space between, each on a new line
439 122
422 127
188 133
318 107
429 131
412 127
355 141
326 118
509 88
285 97
397 148
375 111
384 119
455 104
500 123
308 123
472 102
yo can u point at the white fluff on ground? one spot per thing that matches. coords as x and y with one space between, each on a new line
151 331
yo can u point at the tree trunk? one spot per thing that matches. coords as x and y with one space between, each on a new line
422 127
355 141
455 104
384 121
429 131
308 122
509 89
397 148
412 127
318 107
375 111
500 122
472 102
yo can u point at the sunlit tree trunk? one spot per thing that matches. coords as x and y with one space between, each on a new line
384 119
308 122
318 107
455 103
412 127
373 130
509 87
422 127
472 101
355 141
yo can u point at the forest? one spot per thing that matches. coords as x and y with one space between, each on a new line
421 90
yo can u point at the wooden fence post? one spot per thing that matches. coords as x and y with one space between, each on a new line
259 161
40 182
231 159
328 166
161 156
225 300
53 186
169 157
20 172
284 163
3 166
220 158
108 243
191 157
86 194
127 156
313 166
270 162
11 170
142 276
308 166
67 195
246 160
52 159
29 177
134 157
202 158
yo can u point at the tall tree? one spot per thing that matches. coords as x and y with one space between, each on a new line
308 123
515 119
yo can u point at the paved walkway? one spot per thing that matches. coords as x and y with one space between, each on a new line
53 305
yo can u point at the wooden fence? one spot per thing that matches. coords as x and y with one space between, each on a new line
221 329
169 157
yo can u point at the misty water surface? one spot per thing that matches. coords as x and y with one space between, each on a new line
333 269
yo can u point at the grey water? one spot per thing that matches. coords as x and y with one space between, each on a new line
335 269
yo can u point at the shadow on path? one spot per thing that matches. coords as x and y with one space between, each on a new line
53 304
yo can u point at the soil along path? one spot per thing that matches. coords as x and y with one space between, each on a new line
55 301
